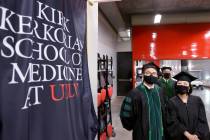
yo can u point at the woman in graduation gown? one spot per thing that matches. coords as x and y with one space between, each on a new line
186 117
141 110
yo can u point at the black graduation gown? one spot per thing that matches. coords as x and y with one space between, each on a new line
138 121
189 117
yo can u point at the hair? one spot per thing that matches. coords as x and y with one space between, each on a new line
145 68
190 90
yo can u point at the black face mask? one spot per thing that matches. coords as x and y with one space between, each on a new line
182 89
150 79
166 75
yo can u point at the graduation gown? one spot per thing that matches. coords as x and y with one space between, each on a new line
168 87
134 113
188 116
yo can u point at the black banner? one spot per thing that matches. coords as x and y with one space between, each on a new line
44 83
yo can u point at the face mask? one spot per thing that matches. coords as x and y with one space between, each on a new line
150 79
166 75
182 89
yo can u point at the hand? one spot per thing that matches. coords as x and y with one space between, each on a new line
193 137
190 136
196 137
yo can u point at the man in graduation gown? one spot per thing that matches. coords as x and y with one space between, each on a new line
167 83
141 110
186 117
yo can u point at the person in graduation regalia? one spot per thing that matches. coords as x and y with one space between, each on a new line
141 110
186 117
167 83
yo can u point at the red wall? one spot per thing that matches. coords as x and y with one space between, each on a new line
178 41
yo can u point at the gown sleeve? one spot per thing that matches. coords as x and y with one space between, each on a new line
202 128
127 113
174 128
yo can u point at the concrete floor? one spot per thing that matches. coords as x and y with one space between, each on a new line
122 134
205 96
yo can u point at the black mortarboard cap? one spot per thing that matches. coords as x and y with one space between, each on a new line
184 76
164 68
150 65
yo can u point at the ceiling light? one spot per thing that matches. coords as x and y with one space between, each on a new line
157 18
